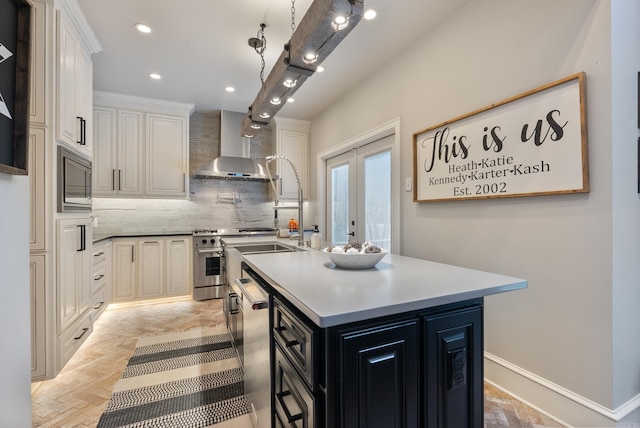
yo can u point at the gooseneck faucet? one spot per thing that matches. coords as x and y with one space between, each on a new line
270 159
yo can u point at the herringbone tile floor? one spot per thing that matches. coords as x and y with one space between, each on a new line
79 394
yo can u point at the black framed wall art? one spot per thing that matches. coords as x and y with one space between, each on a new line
15 60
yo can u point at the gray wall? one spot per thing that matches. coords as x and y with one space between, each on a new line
15 334
576 321
211 204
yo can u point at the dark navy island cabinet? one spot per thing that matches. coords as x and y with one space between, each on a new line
417 369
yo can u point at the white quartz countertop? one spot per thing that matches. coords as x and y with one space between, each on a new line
331 296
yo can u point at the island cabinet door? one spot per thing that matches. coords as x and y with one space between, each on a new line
378 371
453 384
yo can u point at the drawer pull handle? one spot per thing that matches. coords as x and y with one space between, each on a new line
84 330
99 305
98 254
99 277
289 342
290 418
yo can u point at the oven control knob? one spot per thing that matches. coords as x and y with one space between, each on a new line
204 241
213 241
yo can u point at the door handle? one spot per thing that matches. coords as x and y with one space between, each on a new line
351 234
83 238
83 131
233 302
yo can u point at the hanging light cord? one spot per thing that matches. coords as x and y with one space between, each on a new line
260 45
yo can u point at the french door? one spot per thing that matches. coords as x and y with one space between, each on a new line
359 195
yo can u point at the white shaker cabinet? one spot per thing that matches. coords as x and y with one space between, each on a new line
141 147
74 270
151 268
37 189
101 278
118 152
167 156
73 287
124 270
37 266
179 266
74 85
292 141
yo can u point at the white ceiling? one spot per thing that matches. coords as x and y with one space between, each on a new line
200 46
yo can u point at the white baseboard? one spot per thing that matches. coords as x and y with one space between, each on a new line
555 401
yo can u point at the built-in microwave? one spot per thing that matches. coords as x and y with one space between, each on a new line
74 181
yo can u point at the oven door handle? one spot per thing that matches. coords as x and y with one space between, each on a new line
210 250
255 304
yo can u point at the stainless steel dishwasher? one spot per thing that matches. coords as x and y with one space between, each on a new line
256 329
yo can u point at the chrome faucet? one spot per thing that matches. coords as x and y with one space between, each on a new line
270 159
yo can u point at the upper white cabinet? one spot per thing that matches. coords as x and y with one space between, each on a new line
38 75
141 147
118 152
292 141
74 86
167 156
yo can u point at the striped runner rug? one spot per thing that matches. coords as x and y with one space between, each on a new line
182 379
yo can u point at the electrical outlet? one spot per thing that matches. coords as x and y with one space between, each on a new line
407 184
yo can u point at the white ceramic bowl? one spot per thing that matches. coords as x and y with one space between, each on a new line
356 261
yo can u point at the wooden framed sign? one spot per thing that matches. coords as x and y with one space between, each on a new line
532 144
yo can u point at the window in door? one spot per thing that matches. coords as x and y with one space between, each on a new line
359 195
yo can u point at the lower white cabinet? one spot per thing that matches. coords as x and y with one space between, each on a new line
101 278
74 270
152 267
38 321
124 270
178 266
73 286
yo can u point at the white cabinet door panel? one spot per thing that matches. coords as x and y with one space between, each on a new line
166 155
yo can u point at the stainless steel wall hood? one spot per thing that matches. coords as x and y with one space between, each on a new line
234 162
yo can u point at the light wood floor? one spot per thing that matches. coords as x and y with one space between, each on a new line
79 394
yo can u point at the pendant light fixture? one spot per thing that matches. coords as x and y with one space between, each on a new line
323 27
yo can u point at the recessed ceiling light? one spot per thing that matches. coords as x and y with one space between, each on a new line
143 28
320 69
155 76
265 115
230 89
370 14
290 100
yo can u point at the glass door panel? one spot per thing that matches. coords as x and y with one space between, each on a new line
359 195
377 199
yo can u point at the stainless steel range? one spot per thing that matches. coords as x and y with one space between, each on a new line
209 267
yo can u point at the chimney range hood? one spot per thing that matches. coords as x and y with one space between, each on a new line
234 162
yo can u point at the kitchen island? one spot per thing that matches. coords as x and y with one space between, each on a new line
398 345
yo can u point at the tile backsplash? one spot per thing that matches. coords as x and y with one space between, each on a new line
211 204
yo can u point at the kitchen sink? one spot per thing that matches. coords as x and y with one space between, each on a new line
271 247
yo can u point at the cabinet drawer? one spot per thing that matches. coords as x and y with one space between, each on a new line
297 340
70 341
294 405
99 256
98 277
100 302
